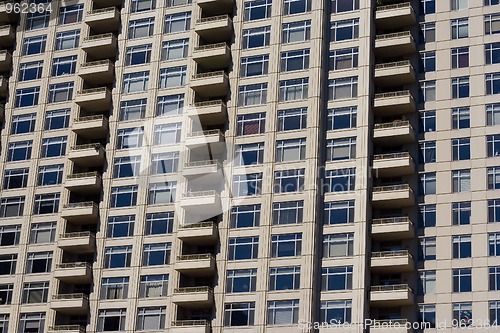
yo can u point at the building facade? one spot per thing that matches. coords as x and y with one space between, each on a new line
250 166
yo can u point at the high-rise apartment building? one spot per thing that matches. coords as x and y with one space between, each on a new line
209 166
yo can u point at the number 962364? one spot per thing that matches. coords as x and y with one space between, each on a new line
28 8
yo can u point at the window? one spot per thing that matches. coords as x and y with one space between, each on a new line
427 91
494 244
462 246
42 233
111 320
427 184
70 14
8 264
290 212
152 318
295 89
54 147
30 71
64 65
284 278
290 150
6 291
460 87
241 281
257 10
173 77
336 278
427 32
460 117
170 105
243 248
256 37
461 213
461 181
156 254
23 123
57 119
341 6
460 149
117 257
123 196
343 88
296 32
31 322
245 216
50 175
462 280
427 152
249 154
167 134
126 166
250 124
494 210
460 57
344 58
427 6
161 193
293 119
39 262
133 110
120 226
340 180
282 312
492 53
9 235
289 181
427 121
338 312
27 97
493 176
459 28
135 82
427 249
11 207
253 94
142 5
35 292
342 118
159 223
340 149
46 203
491 24
164 163
239 314
338 245
60 92
428 61
295 60
37 20
129 138
427 216
114 288
136 55
175 49
254 66
494 277
344 30
177 22
291 7
153 286
493 145
15 178
141 28
339 212
427 282
459 4
173 3
492 83
34 45
67 40
286 245
491 2
427 315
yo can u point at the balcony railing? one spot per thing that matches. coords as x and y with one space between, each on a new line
97 37
394 6
199 225
204 133
92 91
391 220
69 296
389 322
209 74
89 118
199 194
391 156
210 47
392 287
213 19
193 290
180 323
209 103
83 175
194 257
390 254
394 35
77 234
96 63
66 328
391 188
393 124
74 265
201 163
81 204
393 65
95 146
101 10
403 93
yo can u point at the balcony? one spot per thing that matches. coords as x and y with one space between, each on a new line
91 126
393 196
392 228
2 111
395 16
5 61
392 262
7 35
395 164
208 202
97 72
211 84
7 16
393 103
390 326
195 264
70 303
81 212
394 133
213 56
77 242
204 138
102 3
201 168
67 329
395 44
87 182
394 73
190 326
88 155
214 29
210 112
103 20
4 86
100 47
96 99
199 233
216 7
391 295
75 273
193 297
